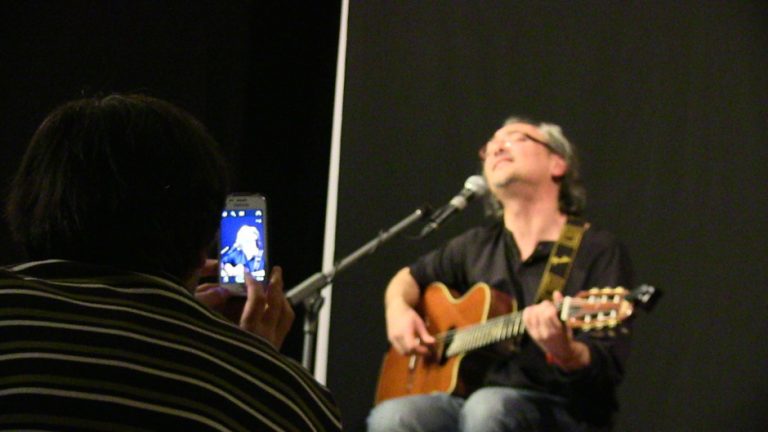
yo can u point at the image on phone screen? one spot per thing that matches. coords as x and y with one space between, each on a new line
242 245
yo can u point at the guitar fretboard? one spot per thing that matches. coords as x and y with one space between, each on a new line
459 341
595 309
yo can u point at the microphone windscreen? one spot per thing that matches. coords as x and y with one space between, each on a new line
476 184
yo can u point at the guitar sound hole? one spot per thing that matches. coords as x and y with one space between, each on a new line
442 347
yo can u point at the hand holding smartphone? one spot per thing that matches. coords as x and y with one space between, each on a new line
243 241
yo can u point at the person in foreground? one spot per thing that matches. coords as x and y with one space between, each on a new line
116 204
554 380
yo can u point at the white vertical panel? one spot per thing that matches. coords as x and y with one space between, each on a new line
321 353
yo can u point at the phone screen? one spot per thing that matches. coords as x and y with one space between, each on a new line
243 241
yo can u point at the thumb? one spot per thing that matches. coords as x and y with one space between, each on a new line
424 335
210 268
212 295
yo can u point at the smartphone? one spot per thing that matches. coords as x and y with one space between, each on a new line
243 241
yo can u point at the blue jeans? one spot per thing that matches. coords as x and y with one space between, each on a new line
486 410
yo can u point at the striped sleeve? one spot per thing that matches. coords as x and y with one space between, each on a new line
133 352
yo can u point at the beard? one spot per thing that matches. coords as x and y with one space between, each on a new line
505 181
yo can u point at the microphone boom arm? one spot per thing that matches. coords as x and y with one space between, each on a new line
309 290
320 279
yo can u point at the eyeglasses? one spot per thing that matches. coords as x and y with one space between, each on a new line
510 140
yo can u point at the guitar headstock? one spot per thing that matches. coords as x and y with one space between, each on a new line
605 308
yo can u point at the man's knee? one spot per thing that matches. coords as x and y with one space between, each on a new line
437 412
394 414
498 409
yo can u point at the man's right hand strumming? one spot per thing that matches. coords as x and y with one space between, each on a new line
406 330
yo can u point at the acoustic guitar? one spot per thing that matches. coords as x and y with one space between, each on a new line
484 317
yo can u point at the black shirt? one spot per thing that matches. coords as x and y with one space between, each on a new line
489 254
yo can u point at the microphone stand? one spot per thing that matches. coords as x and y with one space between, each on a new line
309 290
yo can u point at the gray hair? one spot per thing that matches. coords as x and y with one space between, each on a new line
573 196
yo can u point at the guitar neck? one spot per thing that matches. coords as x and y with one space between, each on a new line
498 329
592 310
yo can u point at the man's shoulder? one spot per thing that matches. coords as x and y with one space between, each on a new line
481 233
599 235
601 243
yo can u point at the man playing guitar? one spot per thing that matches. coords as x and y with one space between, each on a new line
552 379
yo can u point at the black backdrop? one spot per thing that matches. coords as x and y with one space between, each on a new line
666 100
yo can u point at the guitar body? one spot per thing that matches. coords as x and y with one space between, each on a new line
442 310
484 317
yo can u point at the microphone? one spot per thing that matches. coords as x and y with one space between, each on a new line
474 186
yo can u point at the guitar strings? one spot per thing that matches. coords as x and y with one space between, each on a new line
459 340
